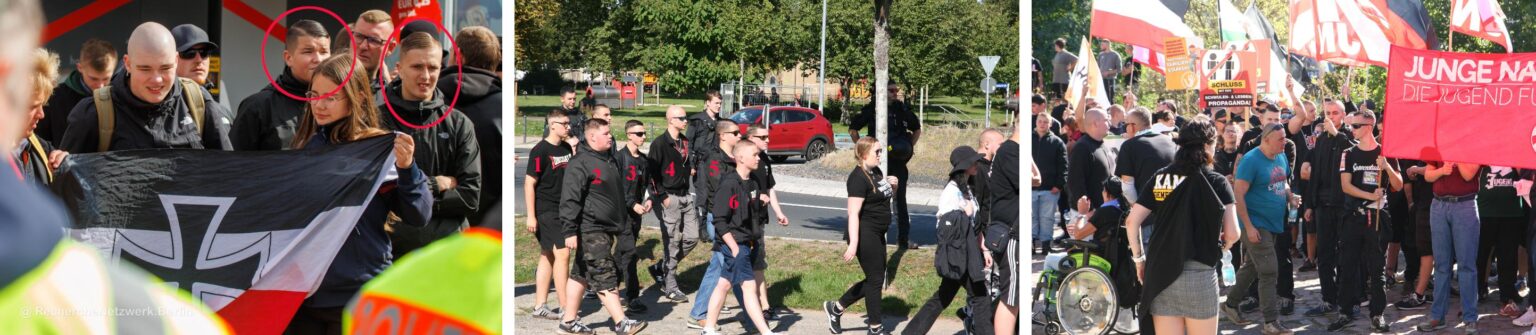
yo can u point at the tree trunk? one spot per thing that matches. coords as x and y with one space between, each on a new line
882 74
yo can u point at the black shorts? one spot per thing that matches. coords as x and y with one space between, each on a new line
760 258
1421 234
1402 227
597 265
551 233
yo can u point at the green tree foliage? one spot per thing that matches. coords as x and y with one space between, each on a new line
695 45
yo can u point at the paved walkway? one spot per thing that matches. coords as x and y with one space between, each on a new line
1309 294
669 319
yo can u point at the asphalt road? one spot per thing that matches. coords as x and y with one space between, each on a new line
811 217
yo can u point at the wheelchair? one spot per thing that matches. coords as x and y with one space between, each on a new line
1079 295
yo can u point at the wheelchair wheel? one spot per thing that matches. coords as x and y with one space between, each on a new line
1086 303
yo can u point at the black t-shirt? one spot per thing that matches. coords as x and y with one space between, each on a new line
1164 182
875 214
1423 190
547 164
1364 173
1496 194
1141 157
765 181
1226 162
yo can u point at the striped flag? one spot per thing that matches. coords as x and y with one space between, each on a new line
250 234
1151 59
1481 18
1358 32
1146 24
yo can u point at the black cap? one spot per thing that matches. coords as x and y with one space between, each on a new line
188 36
418 26
963 157
1368 104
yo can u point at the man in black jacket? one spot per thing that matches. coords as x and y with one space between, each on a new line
480 100
592 204
150 107
638 192
268 119
92 71
1328 195
1004 185
1090 163
719 163
701 132
671 172
447 152
986 145
1050 155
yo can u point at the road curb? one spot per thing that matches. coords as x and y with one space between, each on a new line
824 188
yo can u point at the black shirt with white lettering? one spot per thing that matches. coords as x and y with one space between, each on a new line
547 164
1364 173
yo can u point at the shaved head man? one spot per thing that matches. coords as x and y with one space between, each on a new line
153 108
151 62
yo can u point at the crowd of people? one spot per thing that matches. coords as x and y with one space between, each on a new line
156 95
708 179
1307 184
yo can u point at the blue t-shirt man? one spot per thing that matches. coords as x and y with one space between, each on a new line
1266 197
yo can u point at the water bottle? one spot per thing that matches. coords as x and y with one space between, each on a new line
1228 274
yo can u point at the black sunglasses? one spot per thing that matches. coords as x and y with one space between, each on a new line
762 137
737 133
637 133
1358 125
196 52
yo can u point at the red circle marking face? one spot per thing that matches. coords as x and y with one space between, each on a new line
458 59
268 34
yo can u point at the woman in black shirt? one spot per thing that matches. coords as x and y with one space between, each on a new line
869 216
1192 208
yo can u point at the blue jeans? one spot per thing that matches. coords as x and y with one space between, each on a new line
1454 230
1045 214
711 276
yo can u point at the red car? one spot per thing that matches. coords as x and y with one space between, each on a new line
792 131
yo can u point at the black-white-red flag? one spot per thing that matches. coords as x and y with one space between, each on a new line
251 234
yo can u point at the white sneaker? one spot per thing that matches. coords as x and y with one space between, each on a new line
1527 319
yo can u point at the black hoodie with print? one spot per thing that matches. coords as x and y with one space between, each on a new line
592 193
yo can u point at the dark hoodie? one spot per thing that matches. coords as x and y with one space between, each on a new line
366 251
447 149
142 125
716 165
592 193
56 112
268 119
480 100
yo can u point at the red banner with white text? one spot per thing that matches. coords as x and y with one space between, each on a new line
1461 107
